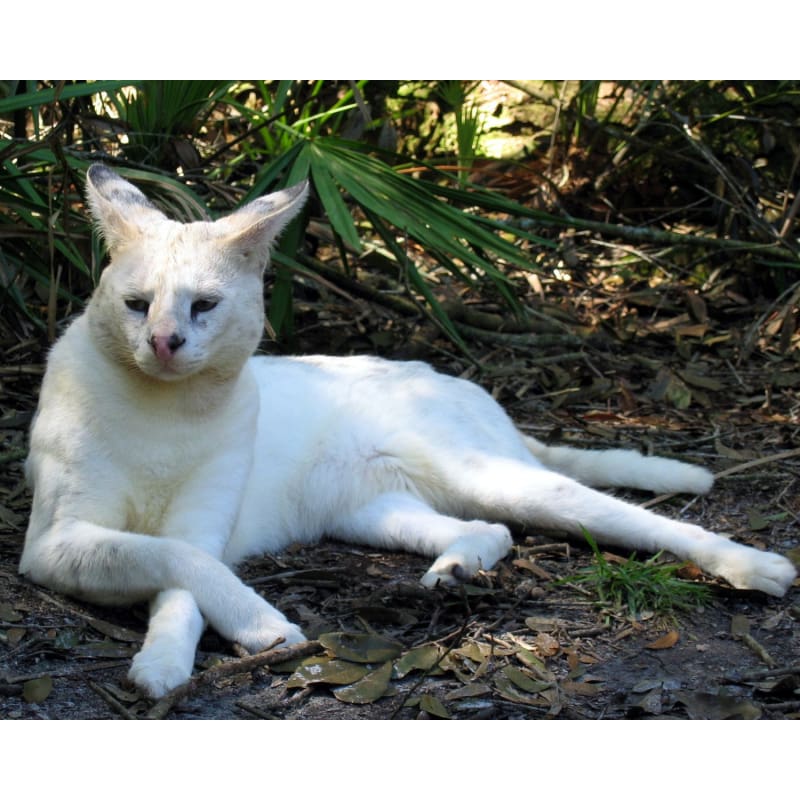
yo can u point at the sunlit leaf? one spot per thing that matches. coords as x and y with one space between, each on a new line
468 690
546 645
508 690
523 681
474 651
546 624
534 663
333 671
421 658
433 706
363 648
668 640
370 688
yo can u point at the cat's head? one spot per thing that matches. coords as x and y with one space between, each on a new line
181 299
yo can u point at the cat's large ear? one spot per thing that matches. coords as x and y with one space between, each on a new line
253 229
120 210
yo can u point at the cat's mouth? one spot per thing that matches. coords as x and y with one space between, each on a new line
174 369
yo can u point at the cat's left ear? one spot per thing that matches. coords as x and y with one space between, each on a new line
253 229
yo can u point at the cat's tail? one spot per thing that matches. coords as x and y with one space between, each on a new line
622 468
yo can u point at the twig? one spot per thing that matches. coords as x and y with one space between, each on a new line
256 712
761 674
528 340
758 649
233 667
122 634
789 705
67 672
404 698
112 701
640 234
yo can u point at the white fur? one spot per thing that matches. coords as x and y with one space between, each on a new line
163 454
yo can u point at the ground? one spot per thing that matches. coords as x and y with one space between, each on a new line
528 639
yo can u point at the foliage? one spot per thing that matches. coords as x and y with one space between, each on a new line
290 133
725 156
649 585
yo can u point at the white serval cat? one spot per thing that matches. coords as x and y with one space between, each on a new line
163 452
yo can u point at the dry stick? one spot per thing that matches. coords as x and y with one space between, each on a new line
757 648
112 701
635 233
67 672
731 471
761 674
233 667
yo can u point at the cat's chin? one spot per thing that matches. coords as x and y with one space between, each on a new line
168 373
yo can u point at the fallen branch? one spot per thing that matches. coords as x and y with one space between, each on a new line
757 648
112 701
761 674
236 666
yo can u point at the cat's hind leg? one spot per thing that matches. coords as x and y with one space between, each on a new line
401 521
512 490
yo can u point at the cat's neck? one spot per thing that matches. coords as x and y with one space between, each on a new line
199 395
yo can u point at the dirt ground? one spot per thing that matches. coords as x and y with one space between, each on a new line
735 658
524 641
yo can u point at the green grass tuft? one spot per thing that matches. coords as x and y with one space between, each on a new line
640 585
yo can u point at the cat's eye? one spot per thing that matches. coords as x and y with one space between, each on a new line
203 305
138 305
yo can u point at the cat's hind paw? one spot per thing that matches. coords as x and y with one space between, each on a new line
747 568
480 549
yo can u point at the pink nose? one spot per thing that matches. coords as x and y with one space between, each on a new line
165 346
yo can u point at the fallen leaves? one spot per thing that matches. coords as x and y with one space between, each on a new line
38 689
669 639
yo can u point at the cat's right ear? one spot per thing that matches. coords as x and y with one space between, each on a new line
120 210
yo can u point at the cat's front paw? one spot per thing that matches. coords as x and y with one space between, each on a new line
156 670
270 631
748 568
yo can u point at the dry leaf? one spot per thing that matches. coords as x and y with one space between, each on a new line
433 706
370 688
666 641
422 658
14 635
37 690
546 645
334 671
469 690
362 648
